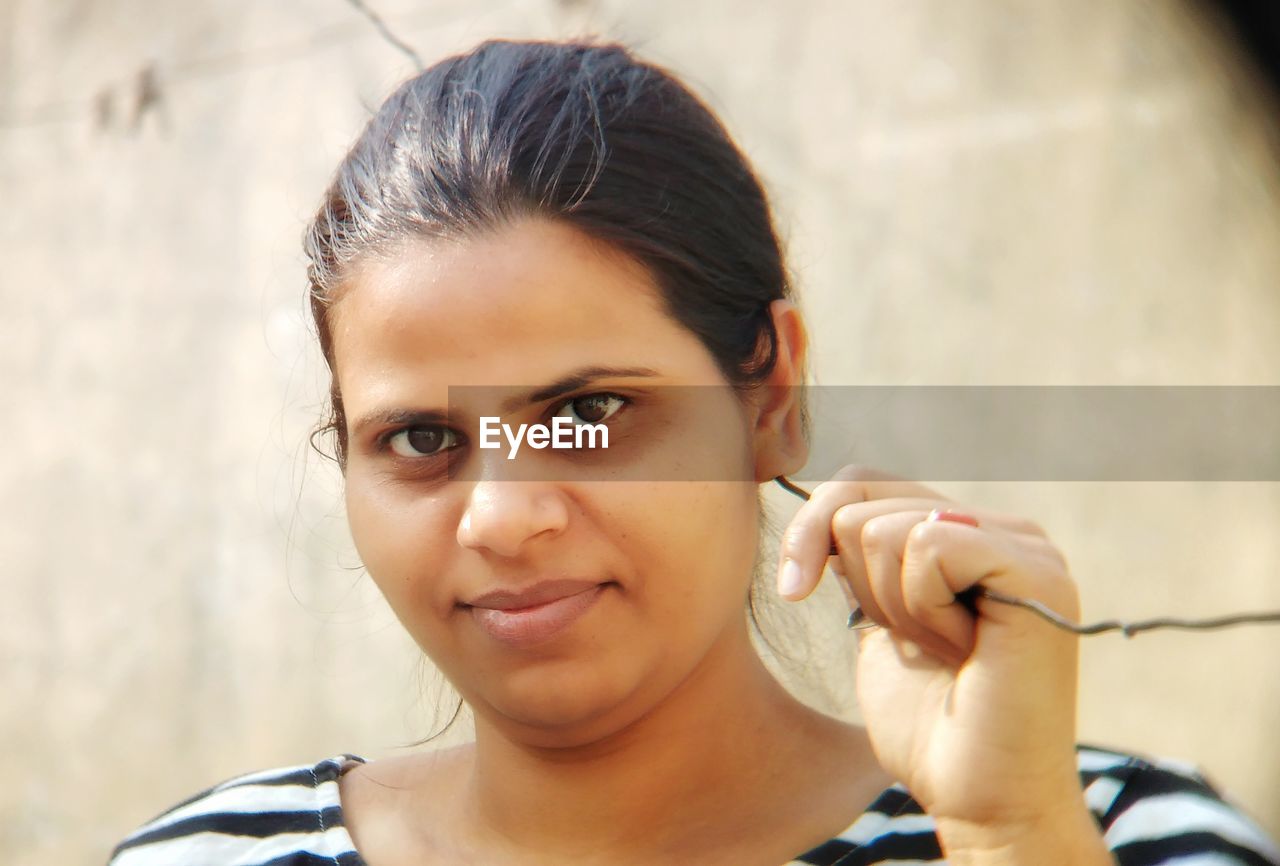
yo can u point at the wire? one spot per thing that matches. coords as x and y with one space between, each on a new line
969 597
381 25
74 110
1128 628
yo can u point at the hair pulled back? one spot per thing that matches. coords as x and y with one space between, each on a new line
579 132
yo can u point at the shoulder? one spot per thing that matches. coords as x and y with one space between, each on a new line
1150 811
287 812
1154 809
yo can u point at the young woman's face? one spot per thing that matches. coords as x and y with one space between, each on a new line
439 521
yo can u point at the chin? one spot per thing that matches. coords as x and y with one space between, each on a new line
579 711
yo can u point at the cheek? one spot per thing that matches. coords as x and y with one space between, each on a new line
403 543
692 540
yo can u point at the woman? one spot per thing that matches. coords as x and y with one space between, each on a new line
572 235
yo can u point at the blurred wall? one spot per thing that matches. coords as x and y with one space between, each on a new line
1068 192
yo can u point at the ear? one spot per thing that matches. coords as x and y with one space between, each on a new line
780 446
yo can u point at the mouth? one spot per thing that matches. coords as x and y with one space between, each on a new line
532 596
524 625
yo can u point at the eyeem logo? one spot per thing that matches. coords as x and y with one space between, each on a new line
562 433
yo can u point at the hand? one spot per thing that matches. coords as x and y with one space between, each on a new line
975 715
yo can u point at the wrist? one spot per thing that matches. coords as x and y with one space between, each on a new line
1065 836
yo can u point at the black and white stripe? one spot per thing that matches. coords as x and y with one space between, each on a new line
1150 811
285 817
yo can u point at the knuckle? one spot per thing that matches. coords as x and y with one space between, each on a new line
854 472
1027 526
1016 524
923 533
1048 553
840 490
845 520
874 534
864 472
924 553
1058 559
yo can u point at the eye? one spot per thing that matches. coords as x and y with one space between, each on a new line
422 441
593 408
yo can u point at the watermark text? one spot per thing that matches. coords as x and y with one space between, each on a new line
562 433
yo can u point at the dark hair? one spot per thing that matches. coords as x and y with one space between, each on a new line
579 132
574 131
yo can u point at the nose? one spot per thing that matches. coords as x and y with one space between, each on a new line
501 515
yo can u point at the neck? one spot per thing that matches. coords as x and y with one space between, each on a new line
720 745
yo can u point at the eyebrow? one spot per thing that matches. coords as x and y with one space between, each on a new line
573 382
564 385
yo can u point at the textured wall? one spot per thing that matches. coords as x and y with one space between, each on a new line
977 192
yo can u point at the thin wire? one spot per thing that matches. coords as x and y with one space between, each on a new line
377 22
75 109
858 619
1130 628
803 494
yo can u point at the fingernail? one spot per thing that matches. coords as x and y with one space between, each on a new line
791 578
856 616
953 516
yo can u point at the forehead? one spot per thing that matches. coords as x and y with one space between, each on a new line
519 305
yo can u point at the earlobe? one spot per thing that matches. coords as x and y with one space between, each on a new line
780 444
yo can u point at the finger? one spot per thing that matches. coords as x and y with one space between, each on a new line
942 558
846 529
857 618
885 544
806 544
842 580
819 538
846 533
849 519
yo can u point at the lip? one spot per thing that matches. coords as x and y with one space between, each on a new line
540 593
537 623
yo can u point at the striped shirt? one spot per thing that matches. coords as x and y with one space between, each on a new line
1150 812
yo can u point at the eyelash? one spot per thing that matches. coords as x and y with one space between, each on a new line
384 441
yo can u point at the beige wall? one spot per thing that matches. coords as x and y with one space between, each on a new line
1064 192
